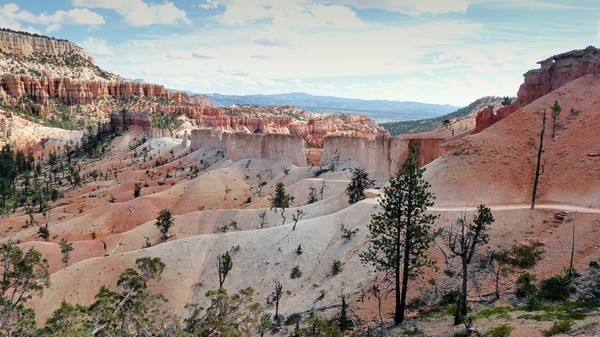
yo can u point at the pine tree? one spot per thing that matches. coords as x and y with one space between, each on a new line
281 199
401 233
358 184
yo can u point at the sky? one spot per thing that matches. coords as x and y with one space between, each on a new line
433 51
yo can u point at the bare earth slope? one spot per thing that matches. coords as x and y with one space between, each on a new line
498 165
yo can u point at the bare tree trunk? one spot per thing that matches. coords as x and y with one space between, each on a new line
571 272
539 159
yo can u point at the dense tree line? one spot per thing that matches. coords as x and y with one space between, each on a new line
29 184
430 124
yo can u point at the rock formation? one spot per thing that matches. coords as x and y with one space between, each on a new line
185 141
385 154
557 71
488 116
69 91
241 145
27 44
119 120
554 72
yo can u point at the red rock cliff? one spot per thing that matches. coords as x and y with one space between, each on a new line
557 71
71 91
554 72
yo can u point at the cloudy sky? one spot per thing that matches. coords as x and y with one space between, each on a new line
435 51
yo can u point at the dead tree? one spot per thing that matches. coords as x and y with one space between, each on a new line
539 160
463 242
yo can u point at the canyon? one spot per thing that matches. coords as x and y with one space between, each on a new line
216 170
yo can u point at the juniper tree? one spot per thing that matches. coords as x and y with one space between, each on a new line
137 190
401 233
24 274
131 310
164 221
224 265
358 184
463 241
65 248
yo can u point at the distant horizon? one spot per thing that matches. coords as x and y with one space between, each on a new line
437 52
319 95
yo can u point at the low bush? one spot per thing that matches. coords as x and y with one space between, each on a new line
558 327
500 331
555 288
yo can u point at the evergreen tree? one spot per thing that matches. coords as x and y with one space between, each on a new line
401 232
164 221
132 310
358 184
234 315
281 199
65 248
137 190
24 274
224 265
43 232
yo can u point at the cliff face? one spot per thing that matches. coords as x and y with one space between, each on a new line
70 91
554 72
240 145
384 155
489 116
557 71
27 44
58 69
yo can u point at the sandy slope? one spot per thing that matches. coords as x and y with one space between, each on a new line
498 165
493 167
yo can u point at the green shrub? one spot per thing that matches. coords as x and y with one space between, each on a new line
416 303
558 327
555 288
501 312
525 285
296 272
525 256
500 331
293 319
450 297
534 304
336 268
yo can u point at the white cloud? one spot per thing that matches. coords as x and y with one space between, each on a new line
178 54
138 13
95 46
409 7
209 4
531 4
204 53
11 16
272 42
302 14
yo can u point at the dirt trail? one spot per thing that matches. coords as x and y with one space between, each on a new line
562 207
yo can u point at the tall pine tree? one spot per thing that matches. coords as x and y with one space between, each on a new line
401 233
